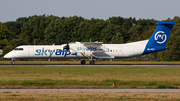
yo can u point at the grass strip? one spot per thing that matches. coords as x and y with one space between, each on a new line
83 96
104 83
126 76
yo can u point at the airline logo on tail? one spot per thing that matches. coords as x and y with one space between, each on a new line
160 37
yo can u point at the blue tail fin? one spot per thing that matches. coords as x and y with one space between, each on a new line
160 37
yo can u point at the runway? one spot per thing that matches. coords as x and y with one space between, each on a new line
141 65
91 90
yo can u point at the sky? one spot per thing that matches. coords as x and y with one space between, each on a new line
10 10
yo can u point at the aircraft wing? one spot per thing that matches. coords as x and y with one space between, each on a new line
94 44
97 44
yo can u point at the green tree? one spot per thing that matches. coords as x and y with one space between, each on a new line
5 35
126 23
33 30
172 53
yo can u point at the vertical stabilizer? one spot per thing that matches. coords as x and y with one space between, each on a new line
161 35
159 39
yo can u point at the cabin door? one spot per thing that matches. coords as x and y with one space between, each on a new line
120 51
31 52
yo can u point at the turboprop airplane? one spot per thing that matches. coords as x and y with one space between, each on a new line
92 50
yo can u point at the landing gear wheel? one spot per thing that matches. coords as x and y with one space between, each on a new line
83 62
12 62
92 62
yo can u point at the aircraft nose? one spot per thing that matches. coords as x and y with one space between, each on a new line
8 55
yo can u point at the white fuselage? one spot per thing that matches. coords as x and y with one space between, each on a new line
78 51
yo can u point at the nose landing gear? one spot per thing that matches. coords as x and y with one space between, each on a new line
12 62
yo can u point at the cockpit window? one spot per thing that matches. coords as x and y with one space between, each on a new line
18 49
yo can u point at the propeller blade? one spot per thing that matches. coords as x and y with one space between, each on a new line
67 46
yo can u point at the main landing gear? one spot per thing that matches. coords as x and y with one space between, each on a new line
90 57
92 62
12 62
83 62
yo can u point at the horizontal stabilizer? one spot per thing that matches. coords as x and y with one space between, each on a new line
165 23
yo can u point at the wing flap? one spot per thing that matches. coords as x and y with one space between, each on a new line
106 57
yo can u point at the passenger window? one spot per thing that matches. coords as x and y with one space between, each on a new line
110 50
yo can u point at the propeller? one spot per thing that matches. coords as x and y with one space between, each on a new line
67 45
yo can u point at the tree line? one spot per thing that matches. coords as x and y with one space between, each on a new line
50 29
